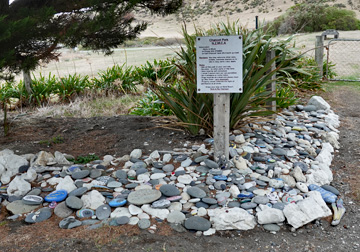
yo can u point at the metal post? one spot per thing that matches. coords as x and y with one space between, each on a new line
319 54
221 125
272 85
256 22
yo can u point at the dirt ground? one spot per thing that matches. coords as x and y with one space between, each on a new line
118 135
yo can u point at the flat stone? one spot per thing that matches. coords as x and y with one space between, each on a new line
120 174
103 212
278 152
69 223
80 174
32 200
196 192
271 227
62 211
85 213
95 173
331 189
185 179
210 201
143 196
169 190
114 184
231 218
144 223
163 203
176 217
122 220
18 207
168 168
202 169
39 216
74 202
261 200
197 223
78 191
248 205
211 164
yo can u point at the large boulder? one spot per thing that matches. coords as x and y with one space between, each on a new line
9 165
270 215
231 218
307 210
319 103
18 187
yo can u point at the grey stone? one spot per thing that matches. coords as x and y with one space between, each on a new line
178 227
141 171
248 205
95 173
201 159
74 202
279 205
103 212
163 203
62 211
211 164
78 191
144 223
278 152
196 192
120 174
18 207
80 174
69 222
34 191
176 217
261 200
105 179
169 190
197 223
114 184
210 201
32 200
232 204
144 196
138 165
122 220
39 216
219 185
168 168
271 227
202 169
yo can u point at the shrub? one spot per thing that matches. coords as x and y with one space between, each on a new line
312 18
69 86
150 105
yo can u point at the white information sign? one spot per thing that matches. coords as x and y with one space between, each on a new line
219 64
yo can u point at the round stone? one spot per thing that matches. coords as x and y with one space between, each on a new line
211 164
78 191
196 192
95 173
302 165
80 174
120 174
39 216
261 200
122 220
138 165
271 227
169 190
85 213
219 185
248 205
32 200
69 222
201 204
62 211
103 212
176 217
278 152
74 202
144 223
144 196
202 169
233 204
197 223
161 204
279 205
114 184
210 201
168 168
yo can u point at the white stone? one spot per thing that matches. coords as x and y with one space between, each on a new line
143 178
167 158
133 221
307 210
159 213
143 216
201 212
120 211
158 175
155 155
276 183
332 120
136 153
209 232
289 180
240 163
175 206
270 215
143 186
18 187
128 164
231 218
61 159
319 103
302 187
234 191
240 139
30 175
319 177
185 179
43 158
298 175
66 184
93 199
134 210
332 138
10 164
176 217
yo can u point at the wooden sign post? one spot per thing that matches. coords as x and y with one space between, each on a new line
219 71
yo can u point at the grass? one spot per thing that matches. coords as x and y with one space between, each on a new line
55 140
330 86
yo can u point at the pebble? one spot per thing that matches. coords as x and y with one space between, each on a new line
143 196
103 212
69 223
169 190
74 202
144 223
196 192
197 223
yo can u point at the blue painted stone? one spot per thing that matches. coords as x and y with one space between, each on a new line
117 202
220 177
327 196
245 195
57 196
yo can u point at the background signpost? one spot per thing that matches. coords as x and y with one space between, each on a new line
219 71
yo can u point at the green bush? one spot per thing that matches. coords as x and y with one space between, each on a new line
312 18
42 88
117 79
150 105
158 70
71 85
195 111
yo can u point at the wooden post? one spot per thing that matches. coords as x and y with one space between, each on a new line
319 54
272 85
221 125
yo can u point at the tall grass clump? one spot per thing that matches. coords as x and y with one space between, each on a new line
195 111
313 18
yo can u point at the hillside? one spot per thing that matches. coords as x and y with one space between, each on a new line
202 13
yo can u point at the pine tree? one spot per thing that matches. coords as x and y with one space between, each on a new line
31 30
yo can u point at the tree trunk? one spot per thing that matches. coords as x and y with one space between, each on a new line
27 81
4 7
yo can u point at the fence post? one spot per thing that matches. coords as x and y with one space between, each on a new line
319 54
272 85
